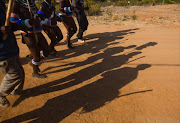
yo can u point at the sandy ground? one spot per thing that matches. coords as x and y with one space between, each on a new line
127 72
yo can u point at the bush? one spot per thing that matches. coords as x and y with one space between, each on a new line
121 3
145 2
134 17
169 2
94 8
176 1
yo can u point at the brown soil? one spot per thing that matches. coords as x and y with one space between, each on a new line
127 72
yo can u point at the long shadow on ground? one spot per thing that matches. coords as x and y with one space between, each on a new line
91 96
101 41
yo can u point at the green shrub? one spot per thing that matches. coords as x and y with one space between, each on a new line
177 1
134 17
169 2
121 3
94 8
145 2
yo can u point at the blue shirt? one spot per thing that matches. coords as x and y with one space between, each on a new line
8 47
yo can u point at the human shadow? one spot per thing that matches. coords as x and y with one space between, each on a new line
100 41
89 97
105 67
105 40
141 47
98 56
107 53
86 73
146 45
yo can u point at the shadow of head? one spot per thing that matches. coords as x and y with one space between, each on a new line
110 84
130 55
143 66
136 29
146 45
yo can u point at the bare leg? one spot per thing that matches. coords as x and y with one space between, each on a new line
35 52
59 34
71 29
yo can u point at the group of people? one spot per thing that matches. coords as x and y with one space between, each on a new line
26 17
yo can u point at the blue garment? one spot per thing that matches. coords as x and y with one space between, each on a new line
8 47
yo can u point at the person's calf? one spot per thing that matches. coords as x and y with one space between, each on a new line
69 44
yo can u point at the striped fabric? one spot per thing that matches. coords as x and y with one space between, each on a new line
14 18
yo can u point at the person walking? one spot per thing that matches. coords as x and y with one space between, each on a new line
9 61
66 12
22 16
47 12
81 19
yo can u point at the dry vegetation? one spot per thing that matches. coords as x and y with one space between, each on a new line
139 15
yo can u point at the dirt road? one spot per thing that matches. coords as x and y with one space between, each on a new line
127 72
